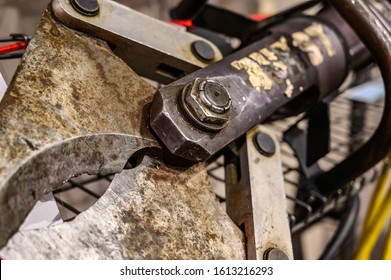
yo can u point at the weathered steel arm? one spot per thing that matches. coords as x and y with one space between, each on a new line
255 192
154 49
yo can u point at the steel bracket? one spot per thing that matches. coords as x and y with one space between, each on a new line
163 54
256 197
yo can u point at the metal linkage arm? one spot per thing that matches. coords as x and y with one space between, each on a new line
154 49
256 196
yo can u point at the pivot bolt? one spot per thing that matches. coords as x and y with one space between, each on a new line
265 144
86 7
275 254
207 103
215 96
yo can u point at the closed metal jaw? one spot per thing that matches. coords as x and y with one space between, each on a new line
85 111
84 124
62 117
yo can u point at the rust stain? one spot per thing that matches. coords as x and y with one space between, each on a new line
84 87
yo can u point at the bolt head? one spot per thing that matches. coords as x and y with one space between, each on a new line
207 103
203 50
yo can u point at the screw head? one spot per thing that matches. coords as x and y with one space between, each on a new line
203 50
265 144
275 254
86 7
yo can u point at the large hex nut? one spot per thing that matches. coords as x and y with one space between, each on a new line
176 138
207 103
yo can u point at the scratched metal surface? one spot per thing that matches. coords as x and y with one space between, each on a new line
74 107
66 88
150 212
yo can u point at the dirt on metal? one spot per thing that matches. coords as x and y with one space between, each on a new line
75 107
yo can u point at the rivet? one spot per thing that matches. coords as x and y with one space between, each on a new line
86 7
265 144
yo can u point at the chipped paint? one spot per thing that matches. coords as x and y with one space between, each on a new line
272 64
256 75
281 44
269 54
259 58
303 42
289 88
268 58
316 30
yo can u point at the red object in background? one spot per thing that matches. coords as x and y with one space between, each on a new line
258 17
188 23
183 22
12 47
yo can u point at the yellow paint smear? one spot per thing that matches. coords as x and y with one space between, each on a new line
304 42
259 58
269 54
281 44
289 88
281 65
316 30
256 76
